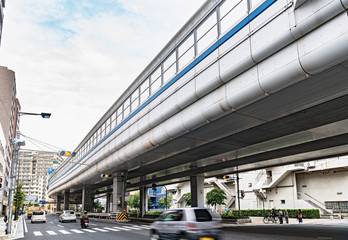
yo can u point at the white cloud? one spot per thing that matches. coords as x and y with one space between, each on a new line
76 62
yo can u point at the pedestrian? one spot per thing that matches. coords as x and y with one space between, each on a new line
286 215
280 215
273 215
299 216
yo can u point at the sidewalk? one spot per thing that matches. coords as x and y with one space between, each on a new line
259 221
17 229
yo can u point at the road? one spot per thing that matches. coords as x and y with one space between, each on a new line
53 229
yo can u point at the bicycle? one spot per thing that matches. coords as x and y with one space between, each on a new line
270 219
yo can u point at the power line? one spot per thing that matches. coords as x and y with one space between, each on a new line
47 145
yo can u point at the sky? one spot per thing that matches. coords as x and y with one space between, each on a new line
74 58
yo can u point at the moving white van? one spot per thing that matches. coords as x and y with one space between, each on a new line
38 216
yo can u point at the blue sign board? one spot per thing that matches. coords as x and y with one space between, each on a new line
42 201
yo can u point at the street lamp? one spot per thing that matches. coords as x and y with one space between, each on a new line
17 143
43 115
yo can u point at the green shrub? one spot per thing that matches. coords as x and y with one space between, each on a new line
133 212
306 213
157 213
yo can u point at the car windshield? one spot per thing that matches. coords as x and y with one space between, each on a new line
203 215
38 213
69 212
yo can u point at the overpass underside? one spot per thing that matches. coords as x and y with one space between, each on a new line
273 93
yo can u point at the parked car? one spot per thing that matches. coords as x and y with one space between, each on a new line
67 215
38 216
187 223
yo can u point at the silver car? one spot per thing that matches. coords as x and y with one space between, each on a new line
38 216
67 215
187 223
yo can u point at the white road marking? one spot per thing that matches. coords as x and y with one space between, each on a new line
25 225
51 222
112 229
76 231
133 228
37 233
64 231
88 230
126 229
141 226
51 233
100 230
60 226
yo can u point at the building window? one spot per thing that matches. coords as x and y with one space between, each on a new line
282 201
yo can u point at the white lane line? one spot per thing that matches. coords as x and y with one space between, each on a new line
126 229
37 233
140 226
111 229
64 231
88 230
133 228
100 230
145 227
76 231
25 226
51 233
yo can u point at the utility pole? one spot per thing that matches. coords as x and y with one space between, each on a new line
12 180
238 194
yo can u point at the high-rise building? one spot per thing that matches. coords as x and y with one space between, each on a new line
9 121
33 172
2 5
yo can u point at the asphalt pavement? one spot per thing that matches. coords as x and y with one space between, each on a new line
327 228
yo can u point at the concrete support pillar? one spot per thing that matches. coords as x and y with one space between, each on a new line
86 199
143 201
59 202
197 191
66 200
118 191
108 200
117 188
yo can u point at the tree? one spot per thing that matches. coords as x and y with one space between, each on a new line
19 198
97 205
215 196
134 201
187 199
162 201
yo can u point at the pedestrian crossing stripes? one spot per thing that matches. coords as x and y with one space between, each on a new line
128 227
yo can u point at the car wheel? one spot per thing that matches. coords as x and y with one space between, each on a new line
155 236
74 220
183 236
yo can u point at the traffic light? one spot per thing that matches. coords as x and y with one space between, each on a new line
223 177
154 188
119 202
64 153
0 183
242 194
105 175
